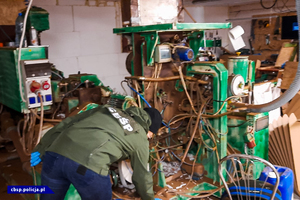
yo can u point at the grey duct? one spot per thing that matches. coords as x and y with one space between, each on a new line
288 95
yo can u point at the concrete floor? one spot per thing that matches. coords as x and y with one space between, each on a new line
12 174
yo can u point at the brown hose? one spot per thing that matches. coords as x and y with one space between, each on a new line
193 135
46 120
170 78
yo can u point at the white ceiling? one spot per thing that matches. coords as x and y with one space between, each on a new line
223 2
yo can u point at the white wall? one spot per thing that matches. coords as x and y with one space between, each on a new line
210 15
81 39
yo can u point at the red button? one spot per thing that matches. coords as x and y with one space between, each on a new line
34 86
46 85
251 144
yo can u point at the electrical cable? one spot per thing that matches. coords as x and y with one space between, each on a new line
46 120
35 182
123 87
156 83
41 119
241 124
141 96
194 133
227 99
20 50
180 159
261 3
185 89
67 93
57 74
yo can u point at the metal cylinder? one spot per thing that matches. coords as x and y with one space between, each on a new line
238 65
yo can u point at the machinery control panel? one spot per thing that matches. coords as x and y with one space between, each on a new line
36 77
38 85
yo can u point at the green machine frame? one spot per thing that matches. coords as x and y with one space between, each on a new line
195 35
144 40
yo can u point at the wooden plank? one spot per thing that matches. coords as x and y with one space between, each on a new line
278 147
284 55
272 146
170 178
294 104
283 146
257 64
289 74
285 123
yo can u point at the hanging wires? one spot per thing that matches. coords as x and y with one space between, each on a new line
123 87
185 88
67 93
41 119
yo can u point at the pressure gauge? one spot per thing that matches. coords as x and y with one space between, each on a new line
236 85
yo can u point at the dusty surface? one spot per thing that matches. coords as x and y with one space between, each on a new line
12 174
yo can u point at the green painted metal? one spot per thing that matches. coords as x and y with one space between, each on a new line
55 91
238 128
213 43
160 176
201 187
72 103
220 77
152 40
202 26
177 27
252 71
196 40
9 76
89 107
239 65
92 78
32 53
38 18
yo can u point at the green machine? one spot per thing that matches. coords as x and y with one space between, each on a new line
159 52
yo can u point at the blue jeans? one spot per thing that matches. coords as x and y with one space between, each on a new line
59 172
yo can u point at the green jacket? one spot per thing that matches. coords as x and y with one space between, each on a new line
99 137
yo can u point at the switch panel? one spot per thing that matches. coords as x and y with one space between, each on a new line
38 85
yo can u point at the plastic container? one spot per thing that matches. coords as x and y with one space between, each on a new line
286 184
33 37
19 28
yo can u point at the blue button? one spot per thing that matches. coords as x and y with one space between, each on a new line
32 100
39 99
48 97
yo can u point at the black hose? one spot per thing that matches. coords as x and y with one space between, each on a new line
261 3
288 95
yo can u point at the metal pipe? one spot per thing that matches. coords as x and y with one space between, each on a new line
171 78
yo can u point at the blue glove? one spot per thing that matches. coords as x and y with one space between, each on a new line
35 159
157 199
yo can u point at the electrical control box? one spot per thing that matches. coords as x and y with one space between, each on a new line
36 77
11 77
163 54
